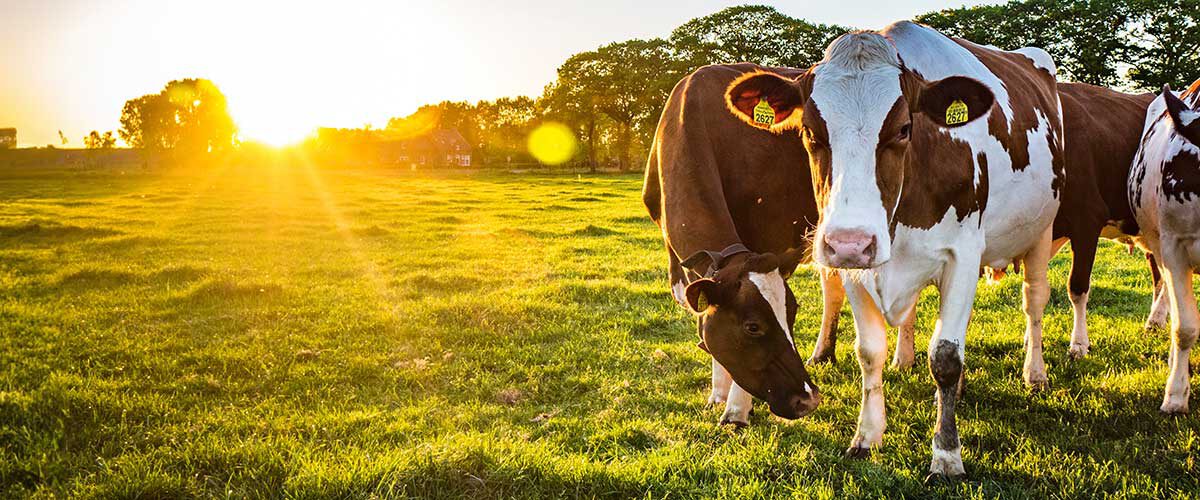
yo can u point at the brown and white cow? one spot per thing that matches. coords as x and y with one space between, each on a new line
931 157
1164 191
734 203
1103 128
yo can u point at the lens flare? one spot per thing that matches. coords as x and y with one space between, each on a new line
552 143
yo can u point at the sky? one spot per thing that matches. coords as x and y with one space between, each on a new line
289 67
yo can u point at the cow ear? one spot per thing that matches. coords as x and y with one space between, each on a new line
1186 120
789 261
955 101
763 99
762 263
701 294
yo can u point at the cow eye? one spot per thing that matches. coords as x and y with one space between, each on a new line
905 133
753 329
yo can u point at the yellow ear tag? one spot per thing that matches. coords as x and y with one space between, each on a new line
957 113
764 113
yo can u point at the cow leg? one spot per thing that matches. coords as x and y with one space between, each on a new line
946 361
834 294
720 384
870 345
737 407
1036 294
1083 250
1161 306
902 359
1185 323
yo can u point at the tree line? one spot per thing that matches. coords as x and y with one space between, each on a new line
611 97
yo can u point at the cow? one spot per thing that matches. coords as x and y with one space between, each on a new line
734 205
1103 130
931 157
1164 192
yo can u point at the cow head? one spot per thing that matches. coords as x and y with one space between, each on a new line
1185 118
745 314
860 113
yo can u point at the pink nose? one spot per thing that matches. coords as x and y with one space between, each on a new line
849 248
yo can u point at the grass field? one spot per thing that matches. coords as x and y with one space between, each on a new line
288 332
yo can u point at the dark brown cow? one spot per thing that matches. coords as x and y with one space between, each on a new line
735 205
1103 128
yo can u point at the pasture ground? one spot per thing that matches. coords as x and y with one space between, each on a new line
302 333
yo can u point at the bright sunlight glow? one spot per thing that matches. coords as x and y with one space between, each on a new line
552 143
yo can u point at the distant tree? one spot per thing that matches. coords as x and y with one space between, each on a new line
752 33
62 137
95 140
627 81
570 105
1086 38
504 126
1166 36
189 115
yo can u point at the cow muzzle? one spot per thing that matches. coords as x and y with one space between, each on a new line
849 249
798 405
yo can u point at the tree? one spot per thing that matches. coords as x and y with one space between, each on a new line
1166 37
1085 37
752 33
95 140
627 81
189 115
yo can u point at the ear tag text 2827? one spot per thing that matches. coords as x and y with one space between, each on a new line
763 113
957 113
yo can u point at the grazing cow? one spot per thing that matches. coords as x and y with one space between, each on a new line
931 157
733 204
1164 191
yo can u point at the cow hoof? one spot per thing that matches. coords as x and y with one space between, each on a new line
1154 326
1037 383
1077 352
1172 409
714 400
902 365
737 424
937 478
858 453
827 358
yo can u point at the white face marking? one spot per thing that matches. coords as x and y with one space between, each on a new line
854 104
679 290
773 290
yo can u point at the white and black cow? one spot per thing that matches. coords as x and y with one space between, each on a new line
1164 191
931 157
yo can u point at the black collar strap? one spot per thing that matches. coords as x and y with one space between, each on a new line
716 259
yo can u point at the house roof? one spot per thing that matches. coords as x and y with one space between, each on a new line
438 140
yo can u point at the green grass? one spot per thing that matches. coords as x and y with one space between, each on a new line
311 334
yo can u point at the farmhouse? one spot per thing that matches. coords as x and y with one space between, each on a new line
8 138
440 147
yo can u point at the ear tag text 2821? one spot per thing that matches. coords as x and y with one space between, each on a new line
957 113
763 113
